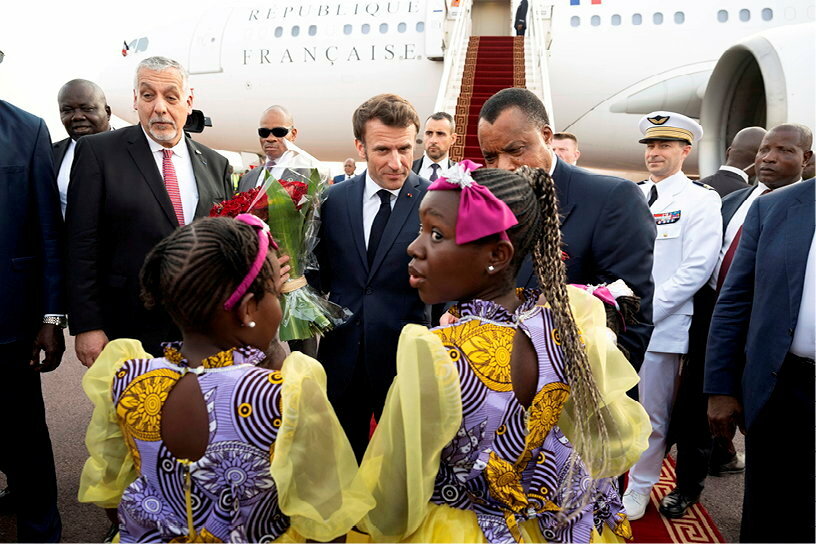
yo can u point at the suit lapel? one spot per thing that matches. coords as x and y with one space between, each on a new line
146 164
799 232
562 177
59 153
406 203
666 194
354 208
203 179
734 206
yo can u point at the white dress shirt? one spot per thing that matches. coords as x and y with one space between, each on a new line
804 335
64 175
741 173
733 227
183 165
425 169
371 203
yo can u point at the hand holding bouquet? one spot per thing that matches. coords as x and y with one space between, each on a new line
289 202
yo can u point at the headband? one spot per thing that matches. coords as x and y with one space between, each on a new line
264 240
480 212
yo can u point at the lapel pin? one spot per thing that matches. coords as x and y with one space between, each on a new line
409 195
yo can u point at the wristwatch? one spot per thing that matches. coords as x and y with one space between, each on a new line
59 320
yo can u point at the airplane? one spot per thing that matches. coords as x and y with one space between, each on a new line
599 65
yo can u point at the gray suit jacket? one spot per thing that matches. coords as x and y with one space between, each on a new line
250 179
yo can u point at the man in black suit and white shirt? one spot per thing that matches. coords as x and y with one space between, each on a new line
83 111
276 125
439 138
738 157
349 166
130 188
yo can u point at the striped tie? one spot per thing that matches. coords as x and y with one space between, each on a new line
171 183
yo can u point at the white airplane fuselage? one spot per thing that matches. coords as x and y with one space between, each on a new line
609 64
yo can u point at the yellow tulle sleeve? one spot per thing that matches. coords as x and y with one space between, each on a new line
422 413
313 464
109 469
627 421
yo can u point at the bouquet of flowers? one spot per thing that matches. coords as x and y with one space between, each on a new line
289 202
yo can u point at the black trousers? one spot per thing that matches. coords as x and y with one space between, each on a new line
25 454
779 461
355 407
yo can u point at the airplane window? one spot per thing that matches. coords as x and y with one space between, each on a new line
767 14
365 29
346 29
637 19
595 21
312 30
295 31
278 32
679 17
657 18
745 15
722 16
616 20
401 27
383 28
420 26
575 21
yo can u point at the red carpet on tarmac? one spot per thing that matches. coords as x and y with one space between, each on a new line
695 526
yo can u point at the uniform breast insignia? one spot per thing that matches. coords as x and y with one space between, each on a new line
667 218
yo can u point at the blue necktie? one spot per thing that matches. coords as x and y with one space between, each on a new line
435 173
378 226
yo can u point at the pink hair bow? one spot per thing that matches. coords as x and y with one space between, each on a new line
480 212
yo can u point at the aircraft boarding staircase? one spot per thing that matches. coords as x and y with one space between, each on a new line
476 67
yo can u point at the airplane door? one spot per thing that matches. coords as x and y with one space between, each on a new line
491 18
205 47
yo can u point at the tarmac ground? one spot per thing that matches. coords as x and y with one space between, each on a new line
69 411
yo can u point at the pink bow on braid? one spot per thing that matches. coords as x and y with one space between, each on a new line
264 241
480 212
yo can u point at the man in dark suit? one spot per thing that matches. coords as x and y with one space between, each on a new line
349 166
439 137
129 189
606 225
275 126
31 320
697 454
738 157
366 226
759 371
83 111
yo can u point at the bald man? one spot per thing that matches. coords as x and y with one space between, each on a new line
349 166
739 159
83 111
275 126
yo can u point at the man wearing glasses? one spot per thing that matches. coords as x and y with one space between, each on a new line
276 126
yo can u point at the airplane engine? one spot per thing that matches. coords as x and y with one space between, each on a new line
764 80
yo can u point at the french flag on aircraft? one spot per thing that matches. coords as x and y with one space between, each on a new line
578 2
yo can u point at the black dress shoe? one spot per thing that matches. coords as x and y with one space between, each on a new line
675 504
7 503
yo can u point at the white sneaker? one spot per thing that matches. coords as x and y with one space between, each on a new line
635 504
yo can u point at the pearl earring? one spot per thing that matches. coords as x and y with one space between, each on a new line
251 324
491 268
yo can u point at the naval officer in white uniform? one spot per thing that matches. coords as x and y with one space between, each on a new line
689 232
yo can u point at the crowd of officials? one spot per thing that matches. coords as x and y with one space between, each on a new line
724 267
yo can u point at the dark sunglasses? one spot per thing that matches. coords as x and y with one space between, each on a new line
277 132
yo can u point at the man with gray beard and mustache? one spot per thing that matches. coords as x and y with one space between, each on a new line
129 189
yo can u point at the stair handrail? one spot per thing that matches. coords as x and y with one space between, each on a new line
538 38
454 57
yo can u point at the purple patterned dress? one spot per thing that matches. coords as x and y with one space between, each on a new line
506 464
228 494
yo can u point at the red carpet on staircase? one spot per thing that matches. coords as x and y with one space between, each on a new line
695 526
493 63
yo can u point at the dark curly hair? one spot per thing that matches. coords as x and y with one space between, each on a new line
193 271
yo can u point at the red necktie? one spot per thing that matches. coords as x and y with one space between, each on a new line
171 183
729 255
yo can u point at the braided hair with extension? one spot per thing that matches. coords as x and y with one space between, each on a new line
530 194
195 269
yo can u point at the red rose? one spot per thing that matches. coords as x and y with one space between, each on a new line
297 190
